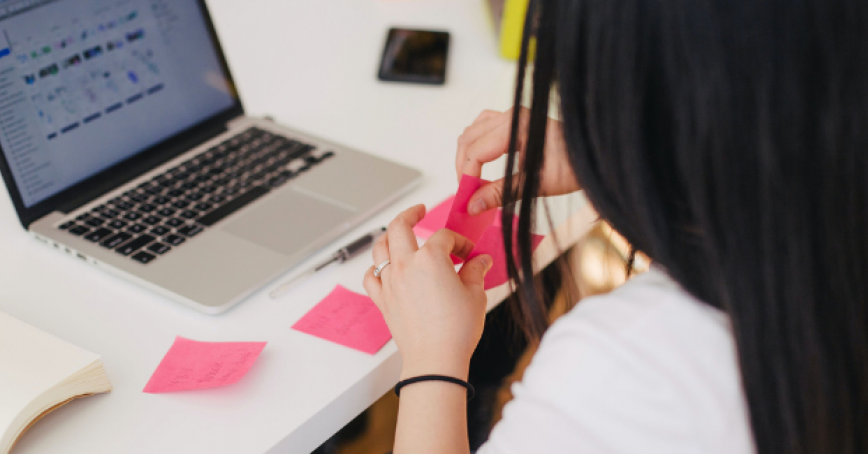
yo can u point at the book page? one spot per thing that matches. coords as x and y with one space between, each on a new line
31 362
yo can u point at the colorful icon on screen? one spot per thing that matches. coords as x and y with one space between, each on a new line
75 60
136 35
93 52
51 70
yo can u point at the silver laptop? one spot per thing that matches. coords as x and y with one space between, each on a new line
125 144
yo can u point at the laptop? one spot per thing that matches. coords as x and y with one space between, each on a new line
125 145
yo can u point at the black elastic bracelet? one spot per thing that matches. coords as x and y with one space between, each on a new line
470 391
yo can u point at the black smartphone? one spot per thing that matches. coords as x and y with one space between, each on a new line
417 56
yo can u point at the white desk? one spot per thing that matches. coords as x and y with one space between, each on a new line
312 65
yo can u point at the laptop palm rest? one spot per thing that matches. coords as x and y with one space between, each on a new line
289 221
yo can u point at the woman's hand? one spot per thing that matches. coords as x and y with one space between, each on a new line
435 314
488 139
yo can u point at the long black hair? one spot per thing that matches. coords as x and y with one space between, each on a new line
728 141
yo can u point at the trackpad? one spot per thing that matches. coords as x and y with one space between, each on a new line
289 221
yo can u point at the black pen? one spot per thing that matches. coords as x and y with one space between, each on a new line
342 255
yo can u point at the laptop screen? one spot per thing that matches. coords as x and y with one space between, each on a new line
85 84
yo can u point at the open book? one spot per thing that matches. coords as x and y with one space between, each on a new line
39 373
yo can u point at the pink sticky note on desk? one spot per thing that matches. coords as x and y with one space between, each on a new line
193 365
492 243
349 319
434 220
462 223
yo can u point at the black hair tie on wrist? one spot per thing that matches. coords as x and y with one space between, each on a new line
470 391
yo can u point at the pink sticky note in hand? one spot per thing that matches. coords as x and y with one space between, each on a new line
492 243
193 365
434 220
349 319
462 223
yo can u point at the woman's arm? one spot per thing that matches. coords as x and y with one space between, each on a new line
436 316
432 415
432 418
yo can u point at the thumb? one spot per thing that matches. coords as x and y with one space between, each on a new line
473 272
486 198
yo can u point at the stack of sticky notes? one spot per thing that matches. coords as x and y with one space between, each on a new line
483 230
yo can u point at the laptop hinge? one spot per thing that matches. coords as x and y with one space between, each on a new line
231 124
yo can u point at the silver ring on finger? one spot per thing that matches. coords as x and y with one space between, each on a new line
379 270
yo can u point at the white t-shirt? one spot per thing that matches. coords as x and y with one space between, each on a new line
644 369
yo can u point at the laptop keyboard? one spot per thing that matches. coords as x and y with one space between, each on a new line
162 214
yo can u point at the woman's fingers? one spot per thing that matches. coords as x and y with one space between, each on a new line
374 287
380 251
487 139
486 198
446 242
486 114
402 240
490 146
473 272
484 123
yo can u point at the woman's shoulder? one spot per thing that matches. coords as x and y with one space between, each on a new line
649 326
646 365
649 307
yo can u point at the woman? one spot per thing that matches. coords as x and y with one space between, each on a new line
727 140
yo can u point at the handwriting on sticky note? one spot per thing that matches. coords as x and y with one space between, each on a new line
434 220
492 243
462 223
190 365
349 319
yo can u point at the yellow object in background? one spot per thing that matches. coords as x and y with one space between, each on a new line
509 17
